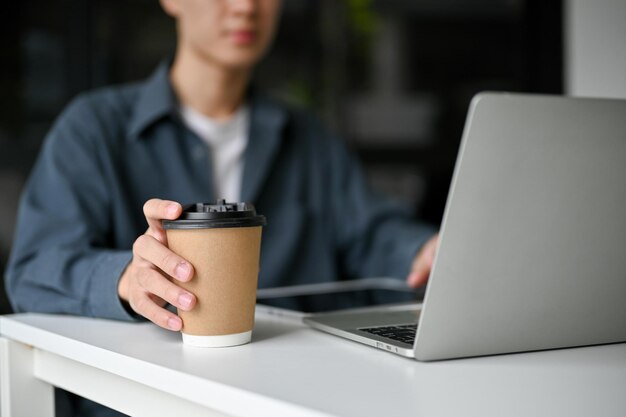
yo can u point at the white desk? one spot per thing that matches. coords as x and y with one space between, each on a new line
289 370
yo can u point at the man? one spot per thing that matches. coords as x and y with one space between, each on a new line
195 131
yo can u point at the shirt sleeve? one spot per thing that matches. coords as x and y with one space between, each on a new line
61 259
376 236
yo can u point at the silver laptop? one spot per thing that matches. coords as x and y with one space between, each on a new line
532 252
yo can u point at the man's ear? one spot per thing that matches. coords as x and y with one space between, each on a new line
171 7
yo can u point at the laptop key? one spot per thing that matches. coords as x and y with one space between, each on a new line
403 333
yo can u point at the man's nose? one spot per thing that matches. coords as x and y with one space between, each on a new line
243 6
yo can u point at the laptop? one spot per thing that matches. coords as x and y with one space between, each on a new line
532 250
304 300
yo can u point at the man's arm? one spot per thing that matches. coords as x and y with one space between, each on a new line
61 260
376 237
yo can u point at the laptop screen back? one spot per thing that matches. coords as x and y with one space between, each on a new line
533 243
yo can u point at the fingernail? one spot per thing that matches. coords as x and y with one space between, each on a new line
174 323
185 300
183 270
172 209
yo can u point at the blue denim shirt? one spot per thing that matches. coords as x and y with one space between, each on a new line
113 149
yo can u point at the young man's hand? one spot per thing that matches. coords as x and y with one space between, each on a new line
148 283
423 263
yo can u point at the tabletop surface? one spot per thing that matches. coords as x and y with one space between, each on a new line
289 369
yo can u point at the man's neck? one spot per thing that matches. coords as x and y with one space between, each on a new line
214 91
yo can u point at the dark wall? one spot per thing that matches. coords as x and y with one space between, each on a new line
393 77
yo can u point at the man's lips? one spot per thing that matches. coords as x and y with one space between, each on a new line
243 37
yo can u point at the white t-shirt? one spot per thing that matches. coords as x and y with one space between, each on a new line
227 141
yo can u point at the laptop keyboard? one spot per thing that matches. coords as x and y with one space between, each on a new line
402 333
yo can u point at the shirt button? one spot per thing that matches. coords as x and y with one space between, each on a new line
198 153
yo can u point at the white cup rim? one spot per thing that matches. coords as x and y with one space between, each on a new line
225 340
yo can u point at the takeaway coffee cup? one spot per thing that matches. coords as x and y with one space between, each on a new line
223 243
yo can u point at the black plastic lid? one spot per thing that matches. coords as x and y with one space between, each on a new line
218 215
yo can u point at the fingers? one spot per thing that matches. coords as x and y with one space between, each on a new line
145 305
155 253
419 275
423 263
153 282
151 291
146 283
156 210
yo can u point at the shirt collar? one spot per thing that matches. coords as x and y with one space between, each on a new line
268 119
156 100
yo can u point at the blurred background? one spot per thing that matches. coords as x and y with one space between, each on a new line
394 78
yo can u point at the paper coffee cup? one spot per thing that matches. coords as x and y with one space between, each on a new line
223 243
